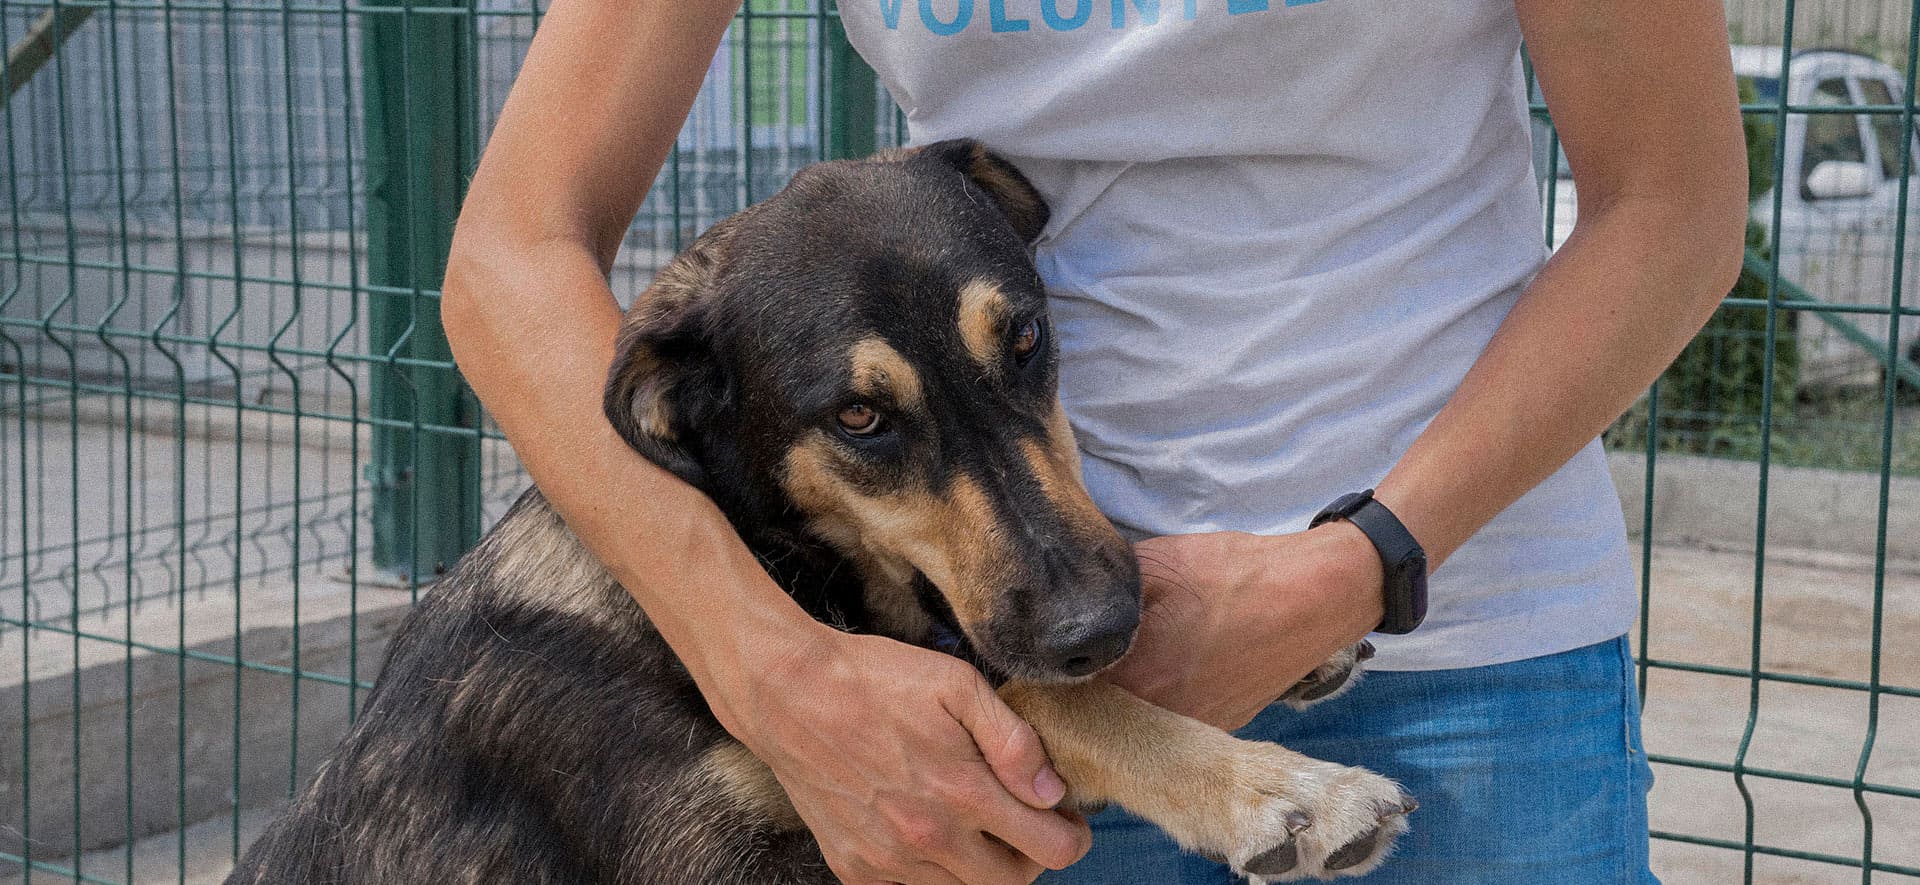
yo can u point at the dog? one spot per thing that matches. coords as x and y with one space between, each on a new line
860 373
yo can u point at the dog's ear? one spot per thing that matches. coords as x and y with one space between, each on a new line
1018 200
665 384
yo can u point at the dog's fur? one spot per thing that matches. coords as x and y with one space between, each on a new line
530 726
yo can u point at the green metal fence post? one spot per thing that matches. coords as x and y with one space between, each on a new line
421 141
852 101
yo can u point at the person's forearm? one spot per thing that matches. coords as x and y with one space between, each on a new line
1648 116
527 309
1599 324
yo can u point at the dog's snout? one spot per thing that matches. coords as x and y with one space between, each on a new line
1086 644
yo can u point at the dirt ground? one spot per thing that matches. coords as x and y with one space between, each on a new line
1818 619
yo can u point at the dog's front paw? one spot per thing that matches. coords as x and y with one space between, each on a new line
1331 679
1301 818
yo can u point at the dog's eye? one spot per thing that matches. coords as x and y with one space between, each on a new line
1027 341
859 420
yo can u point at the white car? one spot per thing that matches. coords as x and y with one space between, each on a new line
1839 200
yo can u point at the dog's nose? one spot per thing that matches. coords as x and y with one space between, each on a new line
1084 644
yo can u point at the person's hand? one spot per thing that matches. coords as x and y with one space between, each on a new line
905 764
1233 620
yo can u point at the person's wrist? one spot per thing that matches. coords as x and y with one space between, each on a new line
1335 564
757 666
1353 574
1437 537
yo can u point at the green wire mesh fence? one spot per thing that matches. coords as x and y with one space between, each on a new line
1779 682
235 445
233 448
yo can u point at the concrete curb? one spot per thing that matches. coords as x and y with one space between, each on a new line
128 714
1814 515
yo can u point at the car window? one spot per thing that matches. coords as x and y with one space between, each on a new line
1762 135
1886 127
1831 136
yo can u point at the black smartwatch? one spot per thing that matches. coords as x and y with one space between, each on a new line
1401 557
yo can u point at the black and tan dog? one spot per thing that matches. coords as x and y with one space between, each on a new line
859 372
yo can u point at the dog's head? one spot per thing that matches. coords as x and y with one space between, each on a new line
864 359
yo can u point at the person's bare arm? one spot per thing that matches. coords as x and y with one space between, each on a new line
879 750
1646 108
1647 111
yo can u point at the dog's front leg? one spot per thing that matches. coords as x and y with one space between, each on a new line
1271 813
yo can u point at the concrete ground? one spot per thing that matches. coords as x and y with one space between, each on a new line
206 847
1818 620
242 537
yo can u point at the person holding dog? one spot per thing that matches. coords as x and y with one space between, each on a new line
1295 254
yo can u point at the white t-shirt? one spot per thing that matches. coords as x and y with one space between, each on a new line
1282 231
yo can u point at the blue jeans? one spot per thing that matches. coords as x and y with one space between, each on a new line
1528 773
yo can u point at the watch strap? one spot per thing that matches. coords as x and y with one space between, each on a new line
1403 561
